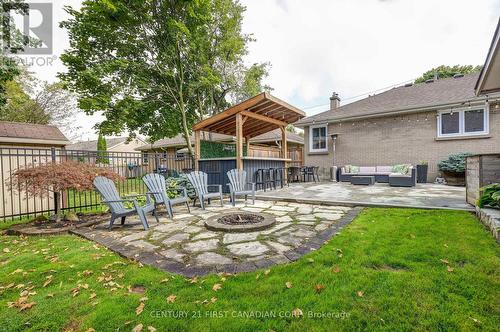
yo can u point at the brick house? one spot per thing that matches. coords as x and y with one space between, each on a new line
407 124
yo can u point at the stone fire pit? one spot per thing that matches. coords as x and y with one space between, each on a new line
240 222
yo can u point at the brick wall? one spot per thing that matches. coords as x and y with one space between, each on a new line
398 139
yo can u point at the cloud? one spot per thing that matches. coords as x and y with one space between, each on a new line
352 47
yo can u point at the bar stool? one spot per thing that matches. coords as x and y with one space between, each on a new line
279 177
263 178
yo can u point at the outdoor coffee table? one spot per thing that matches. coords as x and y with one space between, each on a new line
363 180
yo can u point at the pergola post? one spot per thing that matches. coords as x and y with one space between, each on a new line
247 143
284 150
239 141
197 149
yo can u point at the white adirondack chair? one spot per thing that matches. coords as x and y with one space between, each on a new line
158 189
199 180
112 199
239 186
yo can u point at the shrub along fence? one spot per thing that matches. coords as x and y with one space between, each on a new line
15 203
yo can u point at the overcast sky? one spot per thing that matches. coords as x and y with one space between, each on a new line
316 47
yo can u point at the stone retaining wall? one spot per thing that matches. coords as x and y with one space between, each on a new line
491 219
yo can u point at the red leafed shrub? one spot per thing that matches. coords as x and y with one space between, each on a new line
57 177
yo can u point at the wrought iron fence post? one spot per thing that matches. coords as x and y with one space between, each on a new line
56 194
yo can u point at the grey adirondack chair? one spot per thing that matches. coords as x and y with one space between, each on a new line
239 186
158 189
112 199
199 180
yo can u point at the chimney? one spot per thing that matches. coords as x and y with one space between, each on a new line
334 101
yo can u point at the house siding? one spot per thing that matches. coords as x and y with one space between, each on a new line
397 139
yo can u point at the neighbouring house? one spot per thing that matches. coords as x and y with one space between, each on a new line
117 144
407 124
30 135
265 144
23 144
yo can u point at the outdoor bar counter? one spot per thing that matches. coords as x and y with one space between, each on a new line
217 168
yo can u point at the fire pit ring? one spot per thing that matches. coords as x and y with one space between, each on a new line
240 222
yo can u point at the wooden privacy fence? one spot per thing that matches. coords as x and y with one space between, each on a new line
130 165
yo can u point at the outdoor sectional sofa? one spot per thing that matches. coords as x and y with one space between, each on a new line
382 174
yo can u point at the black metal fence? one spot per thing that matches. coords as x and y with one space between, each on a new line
132 166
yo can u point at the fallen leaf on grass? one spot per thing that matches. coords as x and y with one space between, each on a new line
171 298
216 287
6 250
193 280
50 295
139 309
449 269
138 328
137 289
151 329
93 295
164 280
17 271
310 260
319 288
288 284
48 281
477 321
360 293
90 329
336 269
86 273
266 272
444 261
21 303
297 312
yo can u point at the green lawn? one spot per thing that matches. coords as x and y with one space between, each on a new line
383 272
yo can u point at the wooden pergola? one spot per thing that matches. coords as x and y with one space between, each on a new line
250 118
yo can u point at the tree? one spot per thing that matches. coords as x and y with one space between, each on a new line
58 177
101 148
156 67
33 101
14 42
447 71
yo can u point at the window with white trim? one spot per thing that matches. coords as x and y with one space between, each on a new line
463 122
318 139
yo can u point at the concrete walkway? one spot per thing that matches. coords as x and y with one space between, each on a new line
430 196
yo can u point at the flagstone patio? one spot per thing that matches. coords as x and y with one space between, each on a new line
183 245
423 195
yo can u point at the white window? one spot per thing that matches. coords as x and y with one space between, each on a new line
463 122
317 139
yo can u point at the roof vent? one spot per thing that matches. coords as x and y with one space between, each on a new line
458 75
408 85
430 80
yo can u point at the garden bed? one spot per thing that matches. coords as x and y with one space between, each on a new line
41 226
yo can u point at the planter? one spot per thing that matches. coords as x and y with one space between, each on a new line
422 173
454 179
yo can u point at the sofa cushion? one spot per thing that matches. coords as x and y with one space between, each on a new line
347 169
354 169
384 169
367 170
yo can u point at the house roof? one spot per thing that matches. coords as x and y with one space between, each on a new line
30 133
275 135
489 78
92 145
261 113
178 141
416 97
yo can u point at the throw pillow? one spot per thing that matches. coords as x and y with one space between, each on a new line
347 168
354 169
398 169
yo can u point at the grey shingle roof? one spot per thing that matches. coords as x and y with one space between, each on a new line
441 92
92 145
31 131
